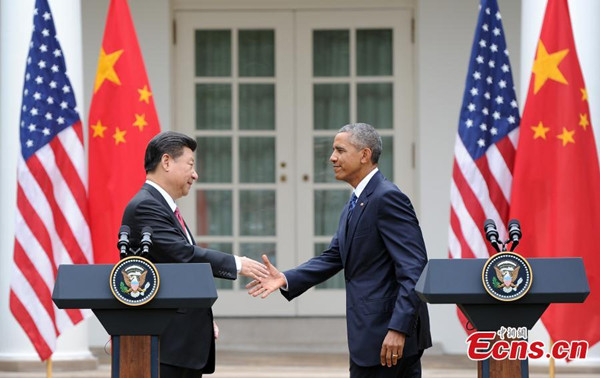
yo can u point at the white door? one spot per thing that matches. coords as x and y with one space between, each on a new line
264 93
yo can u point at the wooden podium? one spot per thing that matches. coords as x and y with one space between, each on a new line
135 331
459 281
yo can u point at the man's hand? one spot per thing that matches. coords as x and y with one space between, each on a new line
215 330
264 286
392 347
253 269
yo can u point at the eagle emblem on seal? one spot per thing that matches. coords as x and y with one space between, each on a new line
507 274
134 278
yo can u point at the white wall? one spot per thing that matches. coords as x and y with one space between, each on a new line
445 31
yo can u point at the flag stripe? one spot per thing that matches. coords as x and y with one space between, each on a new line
507 151
36 280
30 327
496 196
62 226
69 174
468 229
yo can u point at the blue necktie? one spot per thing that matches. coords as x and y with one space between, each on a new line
353 201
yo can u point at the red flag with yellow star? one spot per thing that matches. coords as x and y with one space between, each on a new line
122 121
556 183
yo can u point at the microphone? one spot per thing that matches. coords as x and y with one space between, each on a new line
146 241
123 243
514 233
491 233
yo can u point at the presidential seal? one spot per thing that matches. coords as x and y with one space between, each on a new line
134 281
507 276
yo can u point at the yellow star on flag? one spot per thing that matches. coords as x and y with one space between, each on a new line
583 94
583 121
566 137
119 136
106 68
140 121
545 66
540 131
145 94
98 129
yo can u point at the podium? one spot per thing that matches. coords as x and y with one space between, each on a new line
135 331
459 281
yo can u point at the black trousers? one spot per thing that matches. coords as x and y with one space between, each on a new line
409 367
170 371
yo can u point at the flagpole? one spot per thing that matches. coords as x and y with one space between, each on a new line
49 367
552 365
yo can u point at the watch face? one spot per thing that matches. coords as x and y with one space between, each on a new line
507 276
134 281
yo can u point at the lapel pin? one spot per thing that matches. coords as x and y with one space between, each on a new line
362 203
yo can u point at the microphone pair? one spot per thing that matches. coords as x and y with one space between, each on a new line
491 234
124 246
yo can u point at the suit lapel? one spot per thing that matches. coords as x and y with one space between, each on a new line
361 205
156 194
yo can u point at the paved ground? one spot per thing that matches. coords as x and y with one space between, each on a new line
293 365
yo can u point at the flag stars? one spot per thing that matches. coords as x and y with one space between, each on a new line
583 121
48 116
487 11
545 66
54 68
66 89
540 131
487 95
106 68
474 91
505 68
498 16
499 100
492 64
483 127
28 60
489 80
485 111
481 142
496 115
46 131
46 33
60 120
50 100
471 107
42 64
33 111
506 52
513 103
476 75
57 53
46 16
485 26
483 43
494 47
502 84
496 31
140 121
511 120
29 143
52 84
119 136
64 105
583 94
43 48
98 129
39 80
145 94
494 131
469 123
32 127
37 96
479 59
566 137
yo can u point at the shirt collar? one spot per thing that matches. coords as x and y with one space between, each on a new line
164 193
363 183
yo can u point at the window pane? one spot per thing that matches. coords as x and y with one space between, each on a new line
214 212
331 106
335 282
322 167
256 53
223 247
331 53
257 159
213 159
255 251
257 107
257 212
213 53
386 160
328 207
213 106
374 52
375 104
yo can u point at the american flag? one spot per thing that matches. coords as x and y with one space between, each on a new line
486 142
52 217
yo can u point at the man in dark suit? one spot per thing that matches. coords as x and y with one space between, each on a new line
187 348
379 245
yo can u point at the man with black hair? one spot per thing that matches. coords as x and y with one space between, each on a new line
187 347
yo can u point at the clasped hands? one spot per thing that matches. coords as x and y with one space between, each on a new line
392 346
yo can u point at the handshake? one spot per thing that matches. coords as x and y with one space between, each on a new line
266 277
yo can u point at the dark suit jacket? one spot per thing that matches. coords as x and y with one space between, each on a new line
383 254
188 340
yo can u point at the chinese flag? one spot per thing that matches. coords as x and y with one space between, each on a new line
122 121
556 184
